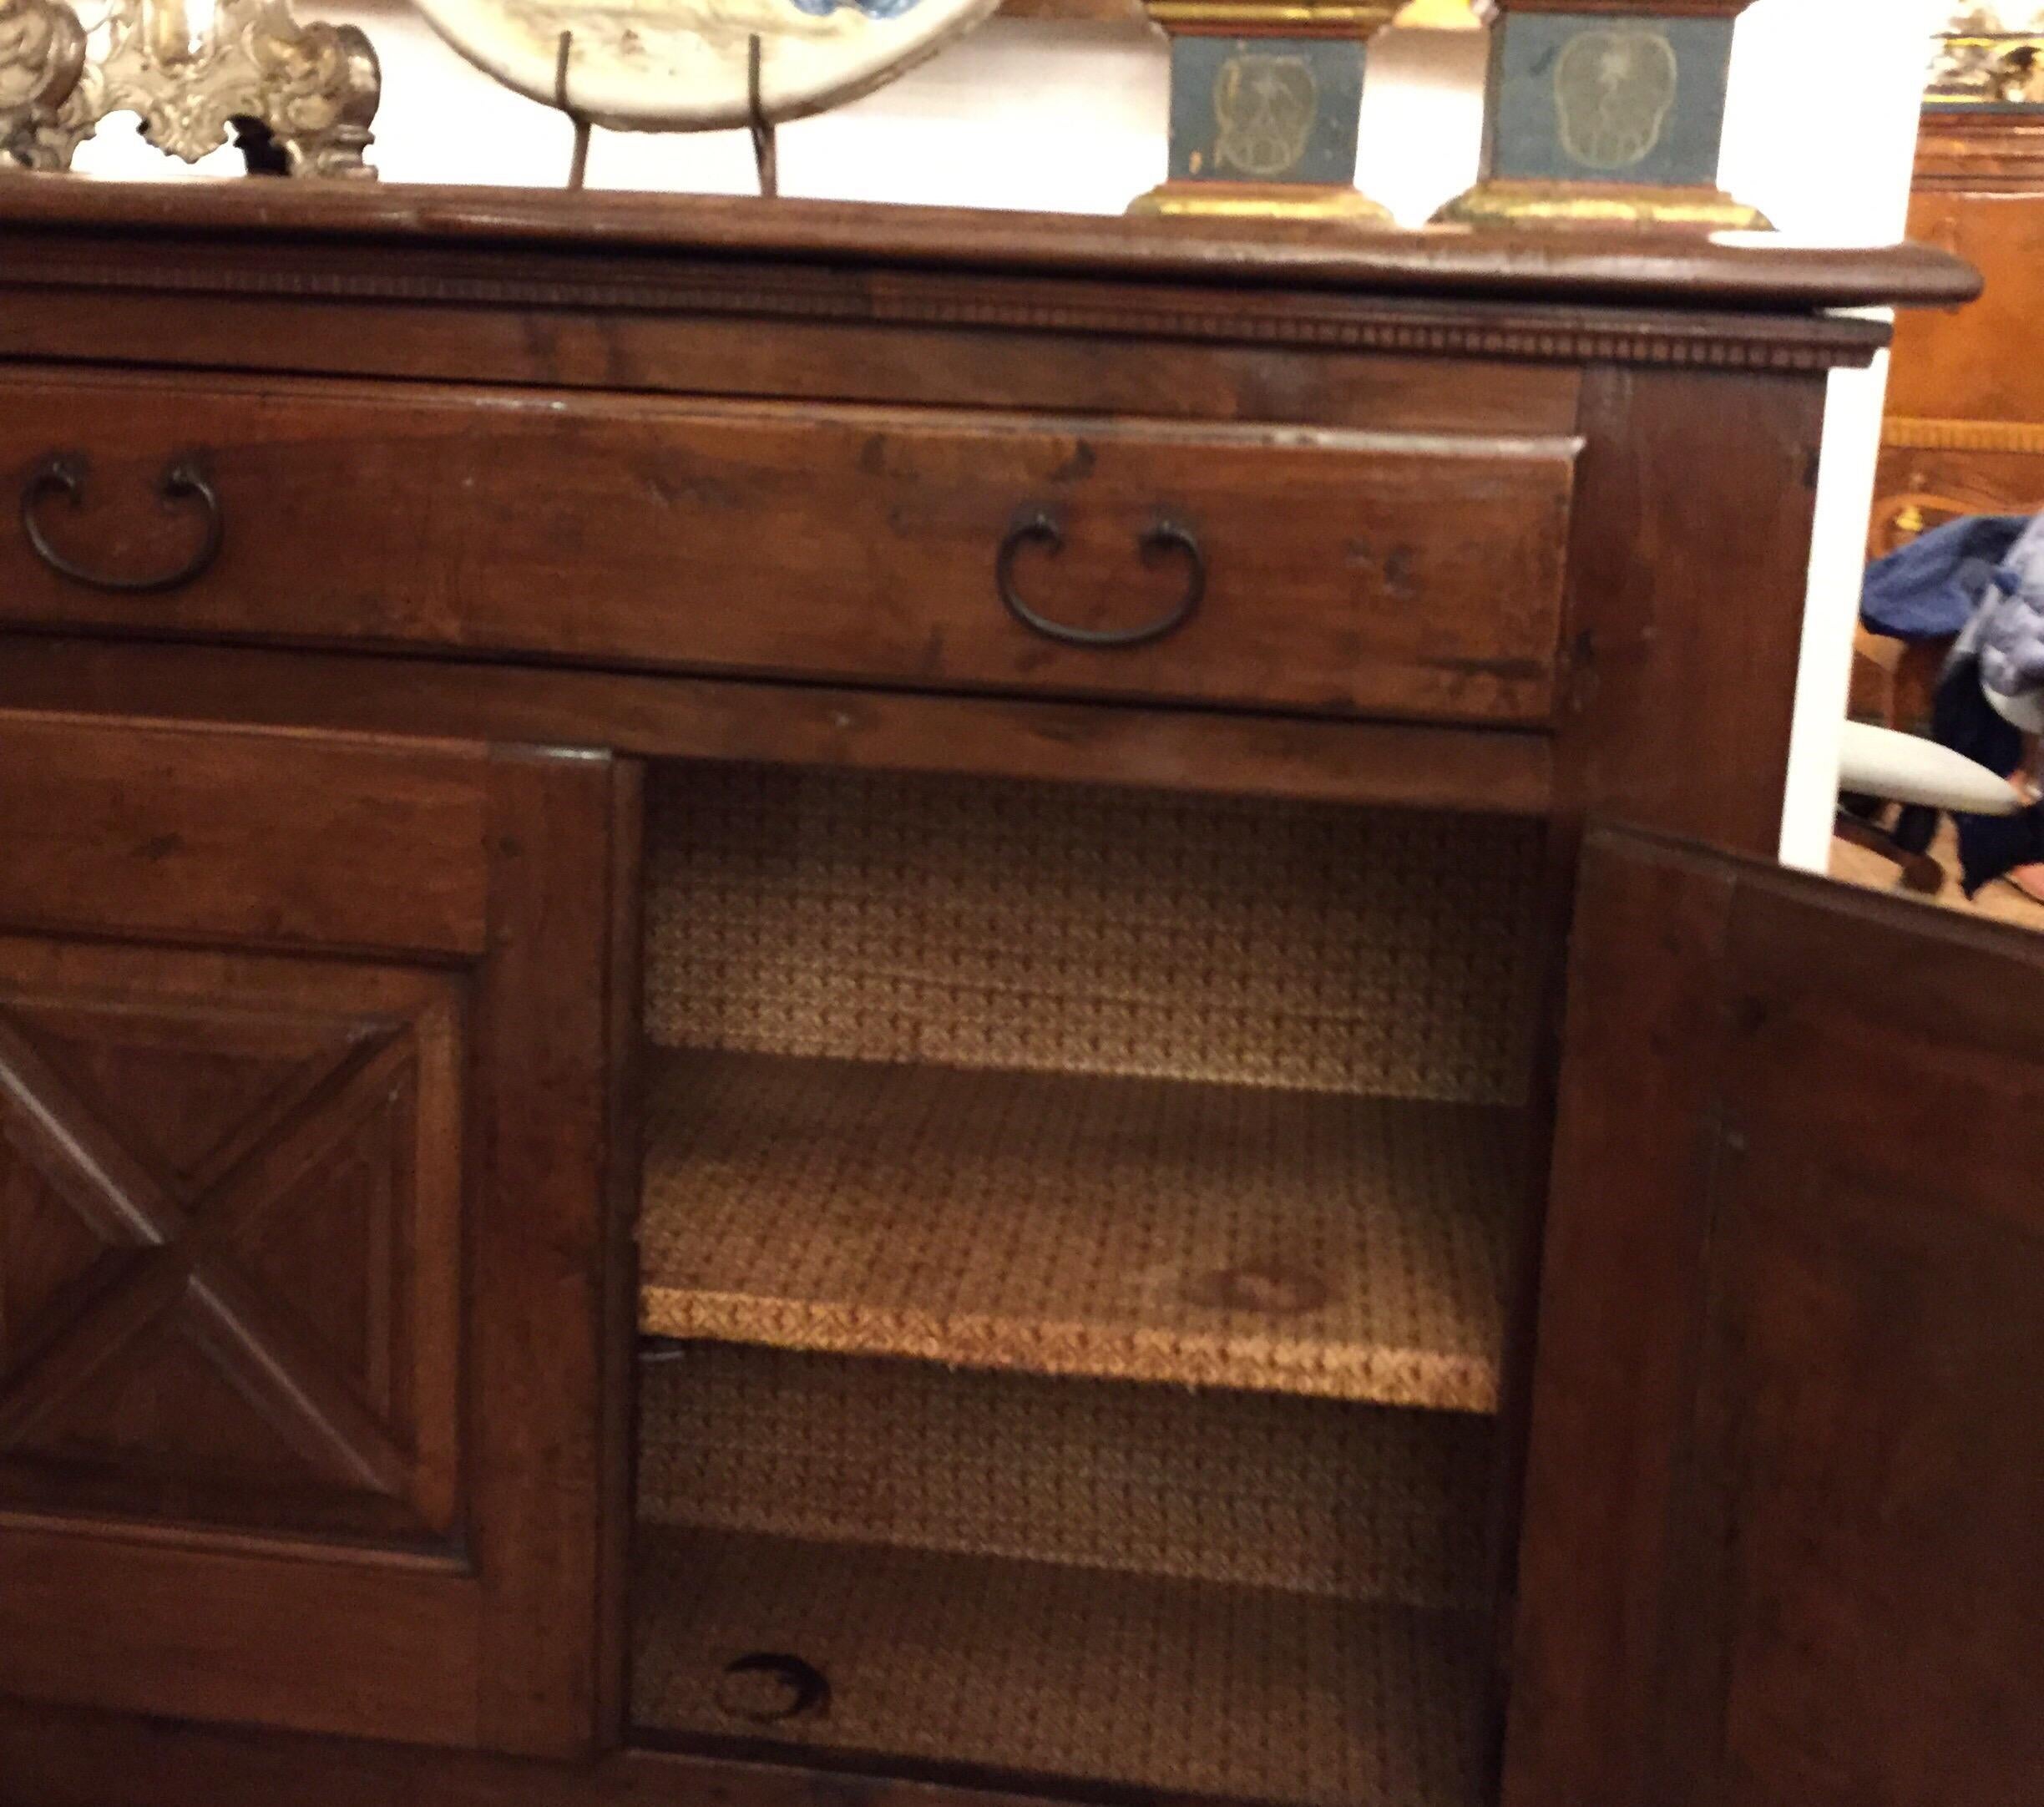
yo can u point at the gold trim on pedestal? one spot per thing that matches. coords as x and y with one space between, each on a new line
1262 200
1290 19
1500 202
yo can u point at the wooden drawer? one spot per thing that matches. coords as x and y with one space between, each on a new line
1258 566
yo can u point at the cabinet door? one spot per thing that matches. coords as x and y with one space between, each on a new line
1784 1533
306 1268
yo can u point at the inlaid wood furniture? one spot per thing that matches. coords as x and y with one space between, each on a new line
1964 432
781 1019
1965 426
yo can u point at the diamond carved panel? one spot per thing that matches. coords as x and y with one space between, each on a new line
229 1241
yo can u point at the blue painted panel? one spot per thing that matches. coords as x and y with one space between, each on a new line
1589 97
1265 110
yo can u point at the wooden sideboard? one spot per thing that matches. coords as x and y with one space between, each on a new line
812 1005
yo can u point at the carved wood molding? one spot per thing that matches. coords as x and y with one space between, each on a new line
180 1278
913 300
1907 434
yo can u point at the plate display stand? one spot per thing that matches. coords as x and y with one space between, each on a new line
700 65
765 153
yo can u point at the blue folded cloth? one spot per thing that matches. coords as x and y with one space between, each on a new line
1929 589
2006 633
1979 580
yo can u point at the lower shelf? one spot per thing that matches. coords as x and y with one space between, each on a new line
1135 1229
1035 1669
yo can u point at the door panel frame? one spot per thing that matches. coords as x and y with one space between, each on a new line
1700 986
502 868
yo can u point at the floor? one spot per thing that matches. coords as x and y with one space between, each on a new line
2000 901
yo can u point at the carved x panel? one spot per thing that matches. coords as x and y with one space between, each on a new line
229 1240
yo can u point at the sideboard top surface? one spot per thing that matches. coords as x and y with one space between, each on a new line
1744 273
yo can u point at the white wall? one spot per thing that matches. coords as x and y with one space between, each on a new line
1021 113
1027 113
1820 134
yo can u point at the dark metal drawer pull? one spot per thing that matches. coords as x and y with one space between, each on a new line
65 475
1039 527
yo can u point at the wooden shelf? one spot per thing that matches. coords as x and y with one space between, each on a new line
1250 1490
1039 1670
1213 1235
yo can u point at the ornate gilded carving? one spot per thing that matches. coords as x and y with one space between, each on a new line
1989 56
42 58
1988 72
303 96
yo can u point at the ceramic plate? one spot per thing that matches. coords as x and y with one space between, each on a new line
680 65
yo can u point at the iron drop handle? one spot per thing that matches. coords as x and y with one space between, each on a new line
1040 526
63 475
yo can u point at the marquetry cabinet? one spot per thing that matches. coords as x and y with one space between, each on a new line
802 1003
1965 426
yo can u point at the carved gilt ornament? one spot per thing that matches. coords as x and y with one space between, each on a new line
299 98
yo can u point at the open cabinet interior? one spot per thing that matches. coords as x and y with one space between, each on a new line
1073 1254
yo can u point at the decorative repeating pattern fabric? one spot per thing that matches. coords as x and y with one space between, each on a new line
1144 1681
1084 1217
1333 1500
979 924
1141 1229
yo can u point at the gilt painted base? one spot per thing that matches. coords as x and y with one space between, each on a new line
1262 200
1685 207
